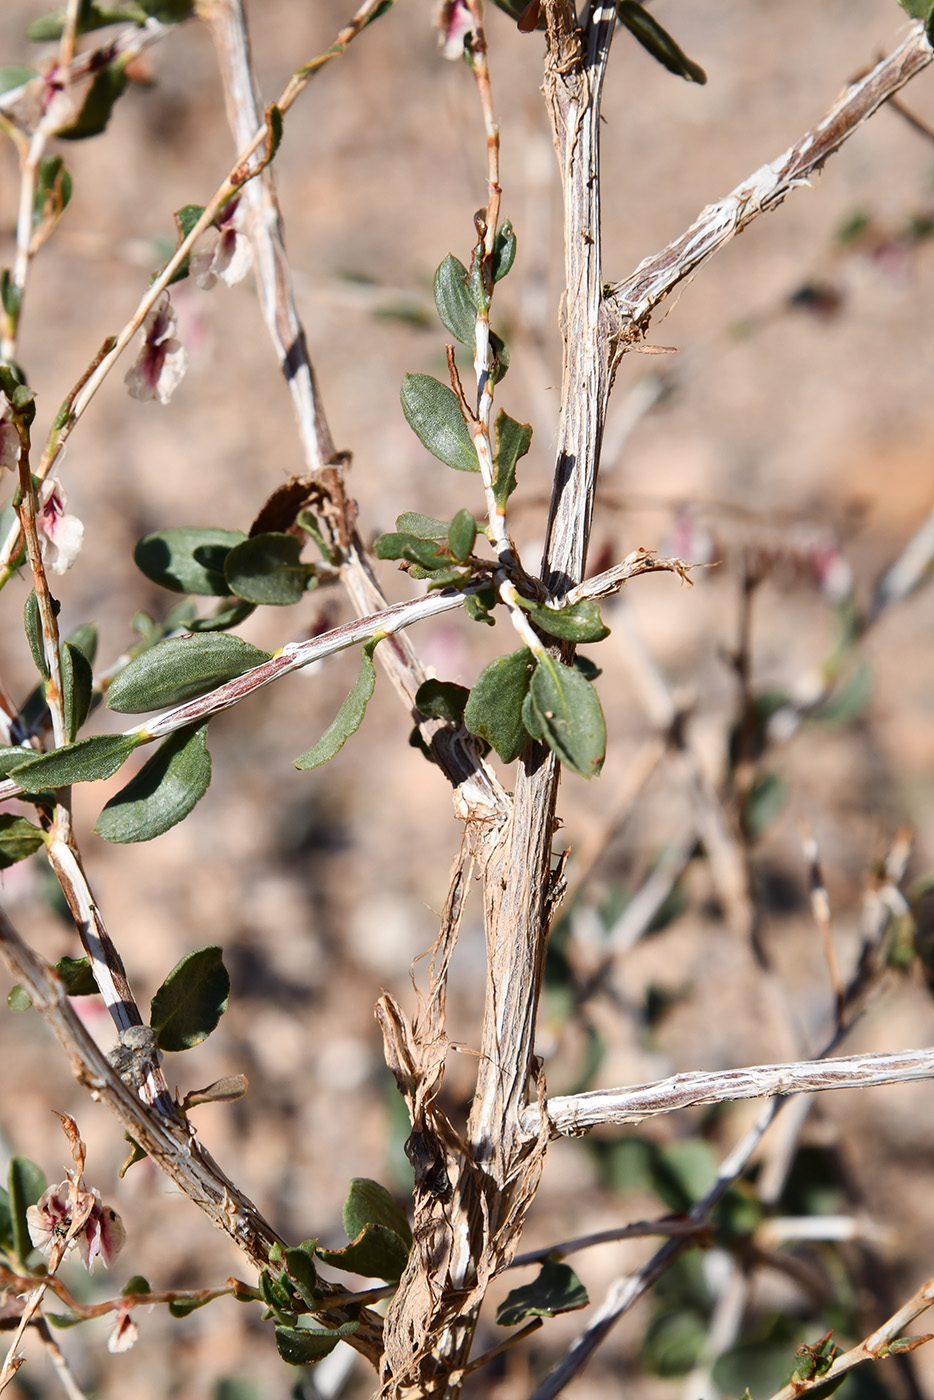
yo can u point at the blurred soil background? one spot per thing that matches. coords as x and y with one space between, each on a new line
793 429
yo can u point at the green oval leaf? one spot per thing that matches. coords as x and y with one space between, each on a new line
557 1289
494 710
658 41
164 790
14 75
53 191
77 975
349 717
375 1253
26 1183
191 1000
423 527
188 560
580 622
18 999
504 250
33 625
303 1346
568 712
462 535
512 442
441 699
109 84
84 762
180 668
77 688
409 547
369 1203
453 301
267 569
18 839
433 413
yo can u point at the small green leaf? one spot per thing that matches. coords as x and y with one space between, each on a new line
32 622
462 535
18 839
580 622
14 75
494 710
349 716
225 615
567 708
433 413
512 442
188 560
108 85
441 699
475 610
267 569
408 547
423 527
185 220
53 190
18 999
11 299
163 792
6 1218
763 804
303 1346
26 1183
453 301
91 16
183 1306
504 250
277 1292
658 41
136 1284
85 639
179 669
556 1290
136 1154
225 1090
87 761
191 1000
369 1203
77 975
77 688
375 1252
300 1267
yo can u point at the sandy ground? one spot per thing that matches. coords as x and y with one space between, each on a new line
779 426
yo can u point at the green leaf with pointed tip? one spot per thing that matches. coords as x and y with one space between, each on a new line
494 710
441 699
179 669
462 535
267 569
567 710
189 559
26 1183
512 442
85 639
77 975
136 1154
6 1221
77 688
658 41
276 1292
504 250
349 717
579 622
164 790
18 999
191 1000
18 839
557 1289
32 622
87 761
423 527
453 300
369 1203
303 1346
433 413
108 86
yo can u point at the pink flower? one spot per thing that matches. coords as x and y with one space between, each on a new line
454 23
67 1213
61 534
9 436
125 1331
223 251
162 359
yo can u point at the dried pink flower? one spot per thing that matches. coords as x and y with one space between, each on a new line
61 534
454 23
162 359
125 1332
223 251
69 1213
